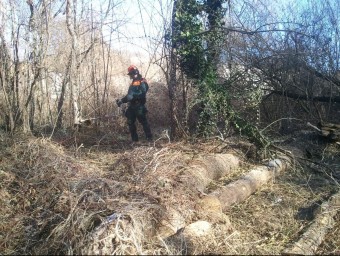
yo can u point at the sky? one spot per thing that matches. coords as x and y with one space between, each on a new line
141 24
137 25
144 20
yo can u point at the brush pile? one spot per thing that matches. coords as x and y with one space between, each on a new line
151 199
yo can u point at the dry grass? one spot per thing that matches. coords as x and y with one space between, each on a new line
99 195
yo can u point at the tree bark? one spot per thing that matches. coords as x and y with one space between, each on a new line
214 11
172 73
4 81
197 177
74 86
61 99
207 169
241 189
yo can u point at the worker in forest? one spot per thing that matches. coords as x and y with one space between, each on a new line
136 98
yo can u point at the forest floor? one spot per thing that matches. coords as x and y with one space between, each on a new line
97 193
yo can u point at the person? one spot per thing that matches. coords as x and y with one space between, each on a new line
136 98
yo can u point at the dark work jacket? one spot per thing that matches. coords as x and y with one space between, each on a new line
137 92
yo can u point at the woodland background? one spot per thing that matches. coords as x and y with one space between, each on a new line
269 62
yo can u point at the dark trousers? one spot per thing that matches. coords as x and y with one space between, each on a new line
138 112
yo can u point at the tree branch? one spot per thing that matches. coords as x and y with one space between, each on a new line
305 97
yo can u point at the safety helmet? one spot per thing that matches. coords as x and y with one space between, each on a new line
132 70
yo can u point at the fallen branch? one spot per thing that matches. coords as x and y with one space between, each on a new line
314 127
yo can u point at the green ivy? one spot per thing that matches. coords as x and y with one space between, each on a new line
214 99
196 49
190 39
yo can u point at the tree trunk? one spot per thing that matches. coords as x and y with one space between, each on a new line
214 11
74 86
8 113
59 123
207 169
173 70
241 189
197 177
10 80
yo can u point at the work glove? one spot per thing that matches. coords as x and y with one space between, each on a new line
119 102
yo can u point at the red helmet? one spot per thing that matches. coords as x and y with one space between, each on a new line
132 70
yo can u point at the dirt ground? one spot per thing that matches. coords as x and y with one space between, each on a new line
86 192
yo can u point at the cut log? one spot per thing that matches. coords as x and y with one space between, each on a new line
315 234
197 176
241 189
209 168
196 229
171 223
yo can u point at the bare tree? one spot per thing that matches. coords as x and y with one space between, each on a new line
71 21
294 52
